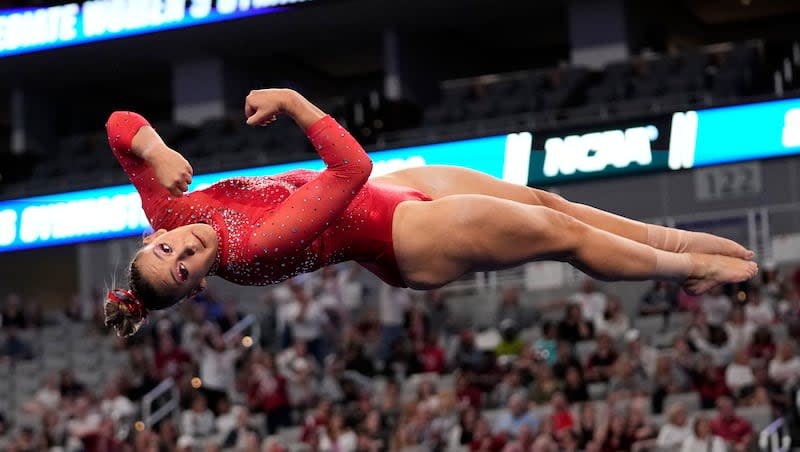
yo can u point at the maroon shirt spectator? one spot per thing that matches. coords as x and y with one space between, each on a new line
316 420
710 383
733 429
468 393
762 345
169 358
431 356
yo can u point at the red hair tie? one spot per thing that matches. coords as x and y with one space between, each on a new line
130 300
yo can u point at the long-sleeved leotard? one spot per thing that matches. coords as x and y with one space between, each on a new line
272 228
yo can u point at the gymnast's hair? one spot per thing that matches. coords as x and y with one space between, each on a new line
126 310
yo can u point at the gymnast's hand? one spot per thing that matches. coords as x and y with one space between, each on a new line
262 107
172 170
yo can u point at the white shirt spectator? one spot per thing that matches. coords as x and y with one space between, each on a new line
721 355
393 304
217 370
739 336
738 376
120 407
615 327
671 435
346 442
310 326
197 424
352 290
593 304
760 314
48 398
785 372
227 422
711 444
716 308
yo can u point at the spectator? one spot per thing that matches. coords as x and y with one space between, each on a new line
544 386
561 417
337 436
641 432
626 379
308 319
115 405
739 328
574 387
574 327
53 431
171 361
717 346
762 346
439 314
565 358
316 420
431 355
764 391
756 310
523 442
484 440
241 436
47 398
85 422
784 368
643 357
393 304
710 384
716 306
612 321
217 362
617 436
587 428
69 386
738 373
667 379
351 289
601 360
510 308
546 345
197 423
230 316
515 417
677 428
659 300
591 300
510 384
736 431
267 391
702 439
12 314
511 344
14 348
24 441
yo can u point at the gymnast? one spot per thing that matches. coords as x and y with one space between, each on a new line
420 227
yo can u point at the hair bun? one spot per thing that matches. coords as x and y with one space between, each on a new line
124 312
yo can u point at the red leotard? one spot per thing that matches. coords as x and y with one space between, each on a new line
272 228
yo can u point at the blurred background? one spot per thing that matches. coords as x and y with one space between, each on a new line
682 113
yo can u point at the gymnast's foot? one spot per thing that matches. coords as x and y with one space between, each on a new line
701 242
709 270
681 241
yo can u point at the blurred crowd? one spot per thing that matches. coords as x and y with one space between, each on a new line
343 374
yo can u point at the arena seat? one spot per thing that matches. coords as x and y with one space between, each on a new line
690 400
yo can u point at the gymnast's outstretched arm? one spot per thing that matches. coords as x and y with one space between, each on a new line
306 213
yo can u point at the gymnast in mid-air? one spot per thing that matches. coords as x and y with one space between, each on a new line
420 227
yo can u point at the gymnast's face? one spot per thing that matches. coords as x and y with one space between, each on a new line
176 262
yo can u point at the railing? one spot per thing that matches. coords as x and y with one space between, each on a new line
775 437
249 321
171 406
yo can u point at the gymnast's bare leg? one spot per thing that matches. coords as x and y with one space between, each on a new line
441 181
465 233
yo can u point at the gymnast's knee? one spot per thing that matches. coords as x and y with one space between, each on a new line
551 200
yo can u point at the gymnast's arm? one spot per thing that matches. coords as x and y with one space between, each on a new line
306 213
156 170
